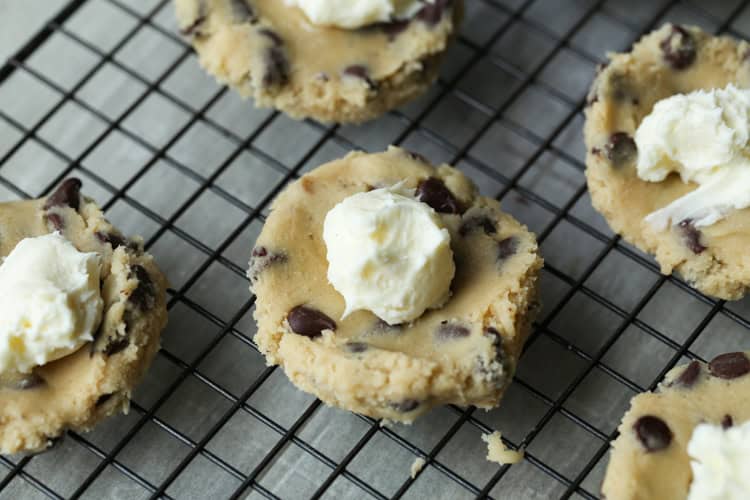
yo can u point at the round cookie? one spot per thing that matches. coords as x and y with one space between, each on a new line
268 50
463 353
649 458
78 390
671 60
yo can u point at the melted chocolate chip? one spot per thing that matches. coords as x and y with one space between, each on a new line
691 236
277 68
68 194
418 157
116 345
56 221
361 72
475 223
356 347
451 331
103 399
730 365
432 13
507 248
679 48
405 406
393 28
272 35
727 422
620 149
28 382
193 28
110 238
144 295
689 375
653 433
434 192
242 12
262 258
309 322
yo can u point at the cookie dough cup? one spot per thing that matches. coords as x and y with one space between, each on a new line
671 60
271 52
649 458
78 390
463 353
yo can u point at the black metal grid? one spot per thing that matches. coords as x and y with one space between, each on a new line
416 130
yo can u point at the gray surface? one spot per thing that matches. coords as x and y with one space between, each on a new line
549 367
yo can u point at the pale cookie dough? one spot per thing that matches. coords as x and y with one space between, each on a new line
649 459
497 451
671 60
269 51
78 390
463 353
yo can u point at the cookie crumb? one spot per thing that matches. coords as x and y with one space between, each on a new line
417 467
497 452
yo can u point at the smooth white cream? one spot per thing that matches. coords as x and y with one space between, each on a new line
388 253
50 302
352 14
720 460
703 136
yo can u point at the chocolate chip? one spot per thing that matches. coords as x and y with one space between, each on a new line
242 12
434 192
103 399
418 157
277 68
393 28
309 322
271 35
361 72
679 48
432 13
689 375
116 345
620 149
356 347
475 223
57 221
261 258
68 194
727 422
405 406
730 365
112 239
653 433
451 331
28 382
144 295
691 236
507 248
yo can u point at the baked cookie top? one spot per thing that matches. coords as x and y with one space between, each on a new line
271 51
464 352
674 59
95 381
650 457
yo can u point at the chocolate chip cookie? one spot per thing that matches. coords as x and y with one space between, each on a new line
270 51
650 458
78 390
464 352
674 59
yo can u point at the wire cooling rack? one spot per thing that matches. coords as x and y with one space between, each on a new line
107 91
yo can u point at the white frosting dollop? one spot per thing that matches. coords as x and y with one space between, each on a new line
720 460
388 253
50 302
703 136
351 14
